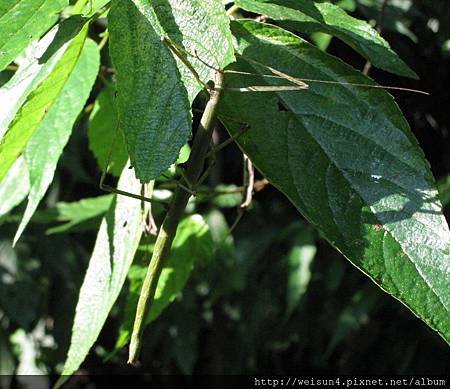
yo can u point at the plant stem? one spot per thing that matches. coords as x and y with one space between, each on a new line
176 210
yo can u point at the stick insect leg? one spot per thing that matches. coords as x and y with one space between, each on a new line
249 182
207 171
227 142
179 53
149 224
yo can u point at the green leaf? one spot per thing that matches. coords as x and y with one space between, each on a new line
300 259
443 188
43 150
15 187
346 158
79 213
397 15
354 316
36 108
152 102
103 134
32 71
328 18
192 244
7 362
67 30
155 90
89 7
116 244
22 21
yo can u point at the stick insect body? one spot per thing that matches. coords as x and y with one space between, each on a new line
295 84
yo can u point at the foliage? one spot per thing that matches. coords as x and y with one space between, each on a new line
120 85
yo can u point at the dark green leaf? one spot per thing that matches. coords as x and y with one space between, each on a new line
444 190
346 158
307 16
105 142
152 102
43 150
354 316
22 21
154 89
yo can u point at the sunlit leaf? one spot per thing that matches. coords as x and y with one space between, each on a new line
307 16
15 187
346 158
39 103
114 250
43 150
22 21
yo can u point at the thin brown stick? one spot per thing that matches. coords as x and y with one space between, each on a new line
249 182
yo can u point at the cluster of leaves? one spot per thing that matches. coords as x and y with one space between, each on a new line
343 155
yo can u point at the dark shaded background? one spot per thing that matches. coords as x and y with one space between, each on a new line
231 318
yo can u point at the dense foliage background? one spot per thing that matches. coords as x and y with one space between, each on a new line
239 314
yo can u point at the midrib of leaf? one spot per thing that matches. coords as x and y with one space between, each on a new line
38 104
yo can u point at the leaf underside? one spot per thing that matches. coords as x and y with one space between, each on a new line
346 158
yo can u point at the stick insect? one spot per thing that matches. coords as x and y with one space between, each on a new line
195 172
294 84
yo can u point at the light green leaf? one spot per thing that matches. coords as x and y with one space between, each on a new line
154 89
78 213
103 134
192 244
307 16
89 7
346 158
116 244
39 102
22 21
15 187
32 71
43 150
300 259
